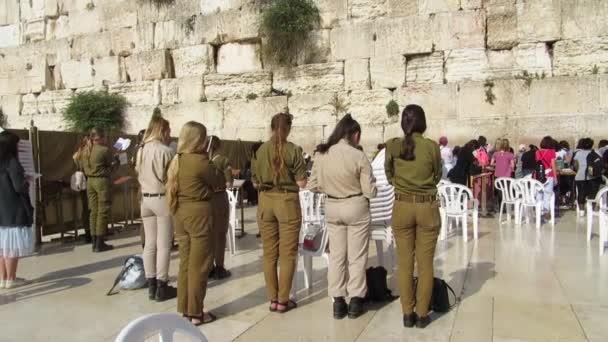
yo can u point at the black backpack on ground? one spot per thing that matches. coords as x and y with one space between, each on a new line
595 165
377 286
440 299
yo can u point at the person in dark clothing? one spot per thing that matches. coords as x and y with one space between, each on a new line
465 163
528 161
248 188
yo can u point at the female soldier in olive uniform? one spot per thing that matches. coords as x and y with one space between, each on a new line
221 210
191 181
278 171
413 167
97 162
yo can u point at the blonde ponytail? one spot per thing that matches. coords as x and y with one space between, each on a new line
172 187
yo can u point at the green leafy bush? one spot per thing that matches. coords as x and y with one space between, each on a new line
95 109
392 109
286 24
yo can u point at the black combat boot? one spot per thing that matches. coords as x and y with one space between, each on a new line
164 291
152 286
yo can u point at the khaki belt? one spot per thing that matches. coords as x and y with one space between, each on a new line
415 198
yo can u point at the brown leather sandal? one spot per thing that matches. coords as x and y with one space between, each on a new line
286 307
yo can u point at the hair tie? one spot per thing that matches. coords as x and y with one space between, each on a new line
210 141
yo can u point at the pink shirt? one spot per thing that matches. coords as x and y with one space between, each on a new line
547 156
503 161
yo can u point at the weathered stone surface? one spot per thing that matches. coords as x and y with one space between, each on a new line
356 74
77 74
84 22
150 65
459 30
584 18
312 109
387 72
332 12
210 114
466 64
44 103
10 35
427 7
31 9
57 28
235 58
583 56
492 99
402 8
311 78
11 105
193 60
317 48
35 30
471 4
502 64
424 68
363 10
165 36
502 28
565 95
182 90
539 21
216 6
30 105
533 58
238 24
107 70
438 100
402 36
61 100
51 8
231 86
38 78
247 114
368 106
119 14
119 43
352 41
9 12
604 93
143 93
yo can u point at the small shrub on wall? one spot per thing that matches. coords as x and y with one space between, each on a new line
286 24
3 119
96 108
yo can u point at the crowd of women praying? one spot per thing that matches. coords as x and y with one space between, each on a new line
183 196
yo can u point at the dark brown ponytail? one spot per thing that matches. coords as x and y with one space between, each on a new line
413 121
281 126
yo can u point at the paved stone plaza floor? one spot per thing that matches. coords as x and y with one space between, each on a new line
516 284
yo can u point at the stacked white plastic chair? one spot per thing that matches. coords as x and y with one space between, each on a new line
532 197
233 220
511 197
163 325
601 212
381 210
454 203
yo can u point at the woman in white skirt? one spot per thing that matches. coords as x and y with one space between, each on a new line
16 213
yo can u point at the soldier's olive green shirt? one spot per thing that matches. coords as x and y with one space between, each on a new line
197 178
98 163
223 164
419 176
294 168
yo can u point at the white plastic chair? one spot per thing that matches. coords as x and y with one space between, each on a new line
381 211
601 212
455 199
233 220
511 196
164 325
532 192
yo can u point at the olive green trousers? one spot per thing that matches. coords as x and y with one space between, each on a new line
99 192
221 215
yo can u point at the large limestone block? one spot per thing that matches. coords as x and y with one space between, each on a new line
119 14
35 30
216 6
119 43
604 93
144 93
354 40
565 95
209 114
236 58
439 101
466 64
332 12
150 65
502 28
85 22
471 4
61 100
403 36
493 99
51 8
77 74
44 103
237 86
584 18
57 28
424 68
533 58
148 11
459 30
38 77
539 21
363 10
107 70
30 105
311 78
356 74
313 109
238 24
317 48
387 72
368 106
182 90
427 7
165 35
10 35
11 105
193 60
403 8
31 9
247 114
9 12
583 56
502 64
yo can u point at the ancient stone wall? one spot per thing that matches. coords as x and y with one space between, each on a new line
503 68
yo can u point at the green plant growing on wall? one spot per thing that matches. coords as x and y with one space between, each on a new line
392 109
3 119
95 108
489 90
339 105
595 70
252 96
286 24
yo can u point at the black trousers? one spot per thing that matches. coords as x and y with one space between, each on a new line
587 190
